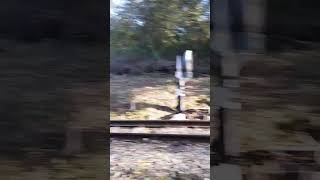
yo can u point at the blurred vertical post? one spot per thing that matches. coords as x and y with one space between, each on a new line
189 64
180 84
228 41
184 68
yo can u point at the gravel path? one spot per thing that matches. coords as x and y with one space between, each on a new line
163 160
202 131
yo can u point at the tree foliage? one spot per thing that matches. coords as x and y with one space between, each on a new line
160 29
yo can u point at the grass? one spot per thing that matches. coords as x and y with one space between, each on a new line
153 95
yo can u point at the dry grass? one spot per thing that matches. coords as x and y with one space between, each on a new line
154 95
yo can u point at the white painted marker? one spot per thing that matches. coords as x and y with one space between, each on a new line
189 63
178 64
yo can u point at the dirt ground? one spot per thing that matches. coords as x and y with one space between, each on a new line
280 101
153 95
83 166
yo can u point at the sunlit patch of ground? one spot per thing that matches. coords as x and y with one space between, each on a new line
159 160
153 95
162 130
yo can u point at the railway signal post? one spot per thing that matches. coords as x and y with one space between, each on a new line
184 68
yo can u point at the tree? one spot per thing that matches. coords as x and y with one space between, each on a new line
156 29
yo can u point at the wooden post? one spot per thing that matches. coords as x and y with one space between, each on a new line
181 94
180 84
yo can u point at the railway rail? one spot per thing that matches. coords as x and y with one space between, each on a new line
161 124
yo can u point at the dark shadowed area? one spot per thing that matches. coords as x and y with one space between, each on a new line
53 89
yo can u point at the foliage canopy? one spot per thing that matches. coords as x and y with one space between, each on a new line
160 29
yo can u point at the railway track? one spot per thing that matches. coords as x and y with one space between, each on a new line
161 124
159 136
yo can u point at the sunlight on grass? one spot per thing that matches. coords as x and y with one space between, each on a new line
154 96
